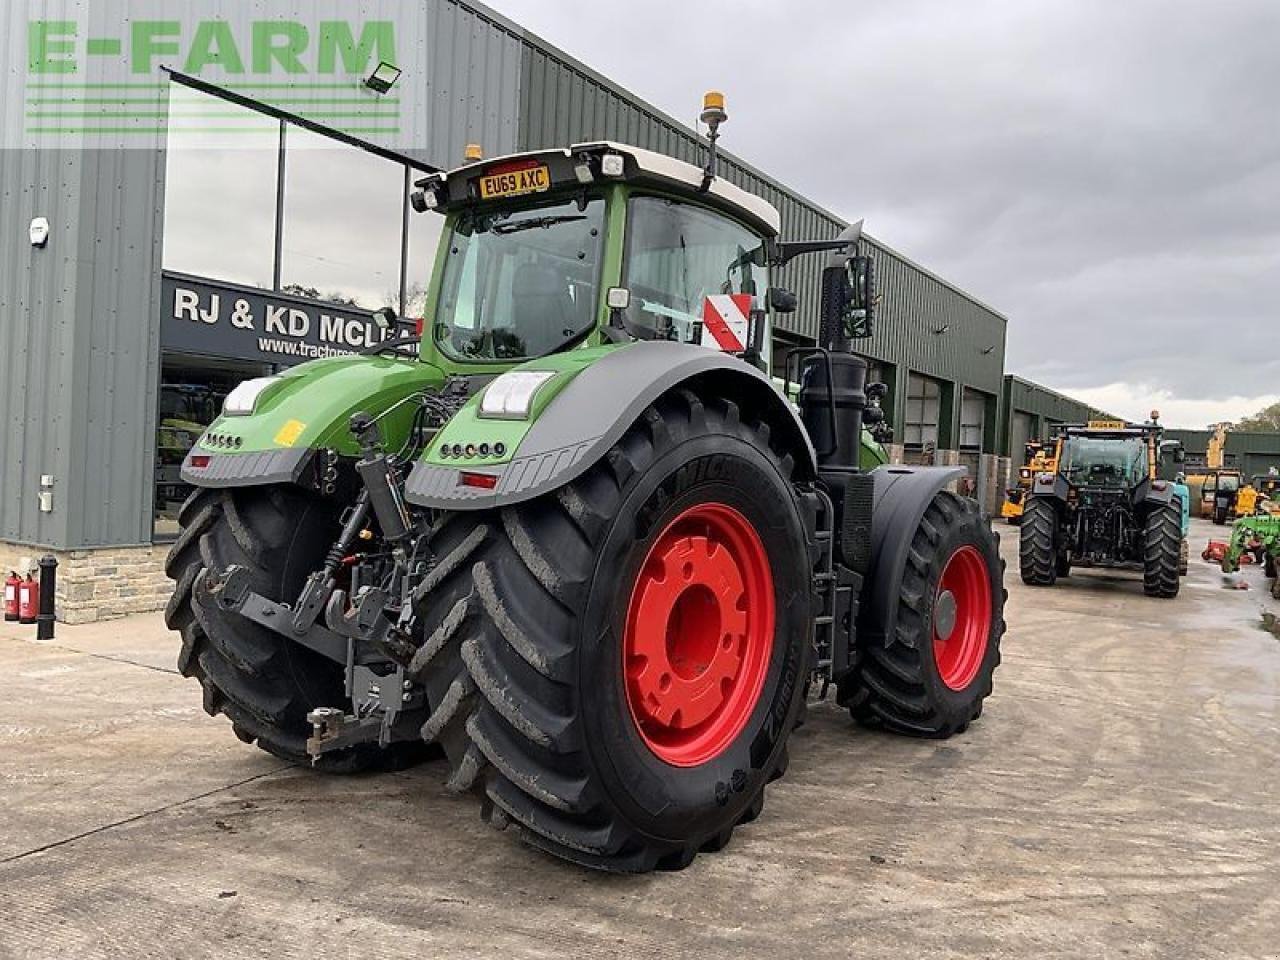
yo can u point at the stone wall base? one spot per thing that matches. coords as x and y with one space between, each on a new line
99 583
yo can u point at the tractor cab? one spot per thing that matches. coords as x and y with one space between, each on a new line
598 243
1220 492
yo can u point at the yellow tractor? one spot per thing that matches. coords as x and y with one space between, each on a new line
1038 458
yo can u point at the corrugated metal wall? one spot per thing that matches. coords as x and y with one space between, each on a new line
1043 406
37 336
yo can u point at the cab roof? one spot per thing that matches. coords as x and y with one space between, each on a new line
640 167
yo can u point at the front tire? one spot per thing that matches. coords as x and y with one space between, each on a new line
1162 540
565 637
930 679
1037 551
262 682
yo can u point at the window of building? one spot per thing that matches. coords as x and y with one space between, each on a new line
678 254
191 393
973 418
924 411
343 219
220 192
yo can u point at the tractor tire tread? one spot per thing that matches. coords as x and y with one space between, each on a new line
243 669
1162 539
512 734
889 690
1037 561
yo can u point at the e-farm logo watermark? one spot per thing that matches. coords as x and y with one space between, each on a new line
106 77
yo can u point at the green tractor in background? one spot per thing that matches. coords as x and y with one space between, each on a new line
1259 536
1114 498
574 533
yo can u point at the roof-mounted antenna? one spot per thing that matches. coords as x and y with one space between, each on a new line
712 115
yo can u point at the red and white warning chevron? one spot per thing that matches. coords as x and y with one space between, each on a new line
726 321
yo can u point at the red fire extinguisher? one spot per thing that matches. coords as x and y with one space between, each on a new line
11 595
28 600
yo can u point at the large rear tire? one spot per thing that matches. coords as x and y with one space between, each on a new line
1037 549
1162 548
566 640
263 683
1184 557
931 677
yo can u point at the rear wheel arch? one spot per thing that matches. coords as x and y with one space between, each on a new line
594 412
902 494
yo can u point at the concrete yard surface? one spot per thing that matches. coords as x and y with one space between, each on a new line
1120 797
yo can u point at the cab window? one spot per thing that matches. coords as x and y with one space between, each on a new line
520 284
676 255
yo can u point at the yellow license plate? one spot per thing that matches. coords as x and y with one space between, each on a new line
515 183
1106 424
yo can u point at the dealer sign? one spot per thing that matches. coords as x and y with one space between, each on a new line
244 323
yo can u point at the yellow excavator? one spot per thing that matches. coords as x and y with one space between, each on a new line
1039 457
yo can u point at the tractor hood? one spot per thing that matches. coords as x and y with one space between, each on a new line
308 407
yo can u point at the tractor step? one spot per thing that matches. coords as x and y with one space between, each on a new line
836 590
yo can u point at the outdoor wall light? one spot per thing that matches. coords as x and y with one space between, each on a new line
383 78
39 231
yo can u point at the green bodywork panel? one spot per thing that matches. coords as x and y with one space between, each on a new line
468 428
1247 530
873 454
310 404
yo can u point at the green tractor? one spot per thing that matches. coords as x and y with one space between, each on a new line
1115 498
1259 536
573 533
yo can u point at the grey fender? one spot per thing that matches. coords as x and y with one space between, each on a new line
592 413
901 496
1154 496
1049 485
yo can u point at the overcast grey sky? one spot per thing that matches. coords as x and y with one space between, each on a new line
1106 174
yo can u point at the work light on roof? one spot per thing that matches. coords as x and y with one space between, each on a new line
611 165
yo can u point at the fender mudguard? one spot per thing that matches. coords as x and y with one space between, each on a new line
901 496
589 415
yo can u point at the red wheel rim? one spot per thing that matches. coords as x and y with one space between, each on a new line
961 618
699 634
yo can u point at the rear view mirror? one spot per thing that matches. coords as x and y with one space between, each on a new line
862 280
848 301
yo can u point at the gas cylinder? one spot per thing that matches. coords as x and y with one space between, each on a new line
11 586
28 600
